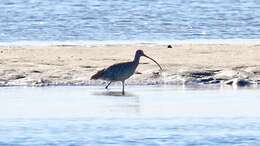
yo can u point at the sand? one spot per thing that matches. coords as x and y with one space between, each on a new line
183 64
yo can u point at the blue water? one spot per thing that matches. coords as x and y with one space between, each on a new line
129 20
133 132
176 116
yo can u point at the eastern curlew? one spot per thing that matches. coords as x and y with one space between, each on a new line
121 71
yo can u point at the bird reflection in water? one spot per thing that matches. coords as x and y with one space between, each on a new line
128 104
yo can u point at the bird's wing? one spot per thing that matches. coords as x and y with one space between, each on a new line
113 72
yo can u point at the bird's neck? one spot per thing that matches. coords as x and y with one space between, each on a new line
136 60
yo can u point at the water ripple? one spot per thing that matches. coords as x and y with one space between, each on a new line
177 131
99 20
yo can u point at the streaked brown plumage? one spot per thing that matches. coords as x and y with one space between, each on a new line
121 71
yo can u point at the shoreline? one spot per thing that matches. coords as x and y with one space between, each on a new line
124 42
183 64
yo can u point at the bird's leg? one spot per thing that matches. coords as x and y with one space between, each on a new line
108 84
123 89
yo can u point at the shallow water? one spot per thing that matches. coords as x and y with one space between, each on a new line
131 20
145 116
148 102
177 132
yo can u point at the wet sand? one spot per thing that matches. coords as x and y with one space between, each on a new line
209 64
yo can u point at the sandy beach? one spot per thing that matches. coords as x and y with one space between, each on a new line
217 64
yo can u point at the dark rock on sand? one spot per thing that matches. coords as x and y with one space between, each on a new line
206 80
201 77
201 74
42 82
17 76
86 66
156 74
137 72
239 82
36 71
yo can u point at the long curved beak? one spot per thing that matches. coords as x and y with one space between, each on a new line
153 61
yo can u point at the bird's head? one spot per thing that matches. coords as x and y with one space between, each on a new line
139 53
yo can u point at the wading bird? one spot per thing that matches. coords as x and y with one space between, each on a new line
121 71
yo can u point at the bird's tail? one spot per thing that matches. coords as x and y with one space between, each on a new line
98 75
